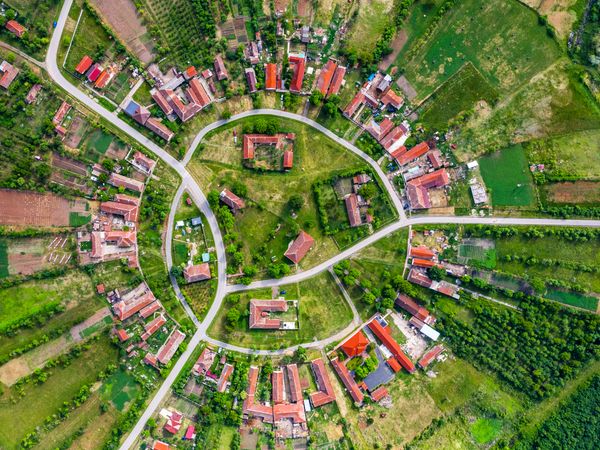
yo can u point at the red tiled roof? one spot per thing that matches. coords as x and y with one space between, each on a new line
156 126
127 308
277 381
354 104
391 98
197 93
103 79
122 335
379 393
421 252
220 69
294 383
326 76
150 359
168 349
435 179
348 381
191 72
271 76
288 159
391 344
147 311
231 200
162 102
380 130
224 378
128 211
391 140
293 411
198 272
153 326
9 73
61 113
121 238
15 28
399 151
250 141
251 408
418 277
356 344
394 364
351 201
251 79
408 304
326 394
33 93
259 317
190 433
159 445
430 356
435 158
423 262
298 64
144 161
94 72
300 247
83 66
336 83
414 153
204 362
129 183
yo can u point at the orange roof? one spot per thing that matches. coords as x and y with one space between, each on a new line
391 98
84 65
391 344
159 445
325 76
379 393
355 345
103 79
438 178
423 262
191 71
288 159
430 356
394 364
414 153
270 76
15 27
336 83
348 381
326 394
299 64
421 252
198 272
352 209
300 247
122 335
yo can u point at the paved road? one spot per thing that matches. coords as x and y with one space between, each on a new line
298 118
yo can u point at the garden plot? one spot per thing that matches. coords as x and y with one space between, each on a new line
477 252
573 192
27 256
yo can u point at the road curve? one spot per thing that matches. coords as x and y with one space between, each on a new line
298 118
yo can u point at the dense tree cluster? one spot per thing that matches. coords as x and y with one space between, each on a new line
535 350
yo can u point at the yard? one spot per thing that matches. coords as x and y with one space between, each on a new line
266 225
506 175
323 311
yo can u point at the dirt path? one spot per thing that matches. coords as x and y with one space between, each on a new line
397 46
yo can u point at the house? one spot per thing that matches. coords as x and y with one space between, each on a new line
15 28
298 63
417 189
421 252
418 277
295 388
157 127
325 77
325 394
160 445
190 72
288 159
379 393
305 34
204 362
139 113
384 335
416 152
147 311
394 139
384 84
299 247
94 72
380 130
250 408
100 289
394 364
198 272
168 349
132 302
351 201
150 359
128 211
142 161
271 76
128 183
251 141
206 74
174 421
430 356
390 98
348 381
424 328
161 101
190 433
122 335
252 53
104 78
220 70
61 113
354 104
232 200
9 73
435 158
251 79
259 317
406 303
197 93
278 389
153 326
223 381
355 345
336 82
84 65
33 93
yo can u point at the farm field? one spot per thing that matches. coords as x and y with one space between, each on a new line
218 165
27 256
506 175
572 192
507 53
22 208
22 412
372 19
322 312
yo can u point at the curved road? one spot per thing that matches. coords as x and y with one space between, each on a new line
189 185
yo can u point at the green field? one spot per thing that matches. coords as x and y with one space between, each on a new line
574 299
372 19
120 388
323 311
506 175
78 219
457 95
21 413
507 53
266 226
3 259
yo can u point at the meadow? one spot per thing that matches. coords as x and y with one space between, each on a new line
506 175
322 312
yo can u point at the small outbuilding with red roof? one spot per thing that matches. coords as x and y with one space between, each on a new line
300 247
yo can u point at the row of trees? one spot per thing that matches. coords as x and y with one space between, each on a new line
571 234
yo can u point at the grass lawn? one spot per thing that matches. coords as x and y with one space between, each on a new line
20 414
142 95
506 174
372 19
485 430
218 164
457 95
323 311
4 258
507 53
120 388
573 298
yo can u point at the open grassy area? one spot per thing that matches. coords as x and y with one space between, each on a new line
506 174
21 413
372 19
266 226
457 95
507 53
322 312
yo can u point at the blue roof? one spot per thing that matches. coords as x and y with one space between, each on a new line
205 257
382 375
196 221
371 77
131 108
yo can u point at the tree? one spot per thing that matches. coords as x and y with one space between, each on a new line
315 98
108 164
368 190
436 273
296 202
233 315
300 354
